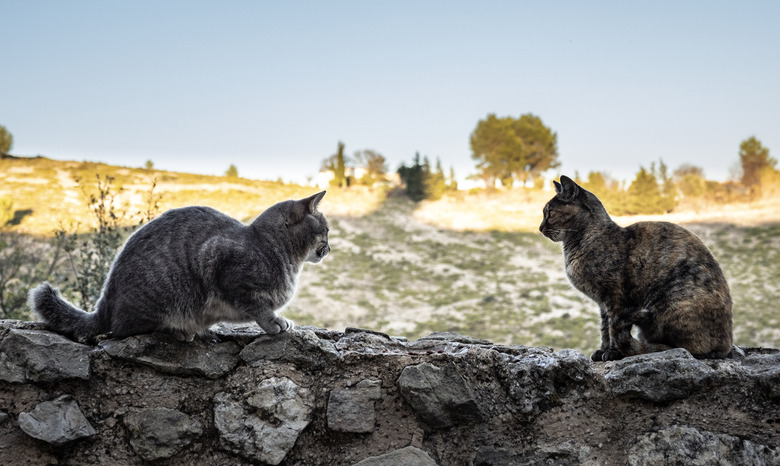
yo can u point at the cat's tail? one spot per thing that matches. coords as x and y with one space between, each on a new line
63 317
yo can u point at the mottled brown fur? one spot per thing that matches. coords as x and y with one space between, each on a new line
656 276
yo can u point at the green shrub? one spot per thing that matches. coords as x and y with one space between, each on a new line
6 209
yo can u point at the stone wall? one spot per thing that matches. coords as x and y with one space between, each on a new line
322 397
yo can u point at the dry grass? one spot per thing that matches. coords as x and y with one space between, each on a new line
471 262
46 193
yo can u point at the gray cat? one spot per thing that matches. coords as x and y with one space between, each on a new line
193 267
656 276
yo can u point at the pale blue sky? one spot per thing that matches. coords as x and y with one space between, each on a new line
273 86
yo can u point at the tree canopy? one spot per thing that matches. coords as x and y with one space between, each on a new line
232 171
754 158
6 141
375 165
337 163
422 182
513 149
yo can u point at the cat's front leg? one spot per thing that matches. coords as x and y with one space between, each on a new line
622 343
273 324
599 353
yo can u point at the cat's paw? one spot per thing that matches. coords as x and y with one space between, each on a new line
285 324
181 335
276 325
611 354
596 356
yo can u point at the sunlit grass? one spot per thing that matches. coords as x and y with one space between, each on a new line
472 263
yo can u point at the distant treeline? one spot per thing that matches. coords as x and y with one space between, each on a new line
522 151
656 191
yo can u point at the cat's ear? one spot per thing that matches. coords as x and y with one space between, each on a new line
312 201
568 188
557 187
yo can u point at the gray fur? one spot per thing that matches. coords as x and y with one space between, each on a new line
656 276
193 267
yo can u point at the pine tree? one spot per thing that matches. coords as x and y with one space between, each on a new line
668 188
644 197
435 185
340 170
754 158
413 178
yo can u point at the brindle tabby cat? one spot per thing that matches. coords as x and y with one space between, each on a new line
193 267
657 276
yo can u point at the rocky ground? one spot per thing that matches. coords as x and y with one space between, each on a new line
316 396
402 270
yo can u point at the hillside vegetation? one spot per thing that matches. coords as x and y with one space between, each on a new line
470 262
47 193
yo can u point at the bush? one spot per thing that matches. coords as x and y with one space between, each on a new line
24 262
90 256
6 209
6 141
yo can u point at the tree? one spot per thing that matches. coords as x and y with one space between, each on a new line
541 147
414 178
754 158
668 188
608 190
6 141
452 183
435 185
513 149
374 164
149 165
337 164
690 181
232 171
644 197
494 146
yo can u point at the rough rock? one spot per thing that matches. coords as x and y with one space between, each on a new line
3 417
439 395
455 337
299 346
409 456
167 354
363 341
766 369
298 398
37 356
351 409
157 433
56 422
562 454
690 446
264 425
659 377
534 377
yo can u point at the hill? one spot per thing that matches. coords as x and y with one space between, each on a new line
47 193
472 263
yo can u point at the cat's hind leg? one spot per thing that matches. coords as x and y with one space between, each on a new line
622 343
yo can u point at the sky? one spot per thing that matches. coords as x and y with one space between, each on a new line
272 87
